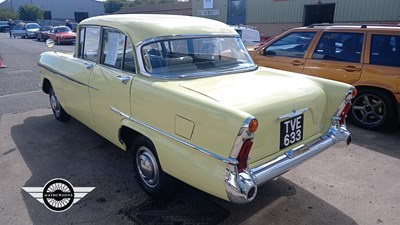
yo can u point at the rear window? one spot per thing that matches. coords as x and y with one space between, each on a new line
385 50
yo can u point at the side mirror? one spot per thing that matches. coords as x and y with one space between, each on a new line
50 43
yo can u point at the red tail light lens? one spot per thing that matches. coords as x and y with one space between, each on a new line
343 114
244 155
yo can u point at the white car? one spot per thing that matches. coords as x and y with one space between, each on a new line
25 30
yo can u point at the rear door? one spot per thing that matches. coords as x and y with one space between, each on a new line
111 80
287 52
337 56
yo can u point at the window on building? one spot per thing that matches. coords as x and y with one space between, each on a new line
385 50
292 45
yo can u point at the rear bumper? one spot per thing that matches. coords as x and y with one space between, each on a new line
242 187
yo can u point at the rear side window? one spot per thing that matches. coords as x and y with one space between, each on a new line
385 50
292 45
344 47
117 50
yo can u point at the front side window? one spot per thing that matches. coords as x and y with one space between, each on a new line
292 45
385 50
89 43
345 47
196 57
117 50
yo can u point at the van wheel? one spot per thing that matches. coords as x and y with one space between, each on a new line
149 173
372 109
56 107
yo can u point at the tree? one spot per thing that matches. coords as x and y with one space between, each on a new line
30 12
6 14
112 6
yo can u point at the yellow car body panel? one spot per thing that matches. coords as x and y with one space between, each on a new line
199 125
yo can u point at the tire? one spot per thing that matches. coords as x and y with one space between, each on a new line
154 181
58 110
58 41
372 109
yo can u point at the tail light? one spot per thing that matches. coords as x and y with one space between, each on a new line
244 155
343 114
345 106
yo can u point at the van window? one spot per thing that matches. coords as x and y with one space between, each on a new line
344 47
292 45
385 50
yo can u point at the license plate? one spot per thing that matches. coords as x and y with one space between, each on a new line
291 131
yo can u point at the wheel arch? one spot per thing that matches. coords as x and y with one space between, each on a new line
46 86
386 91
127 136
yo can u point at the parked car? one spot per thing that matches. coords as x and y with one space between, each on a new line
43 33
366 56
4 26
62 35
19 30
183 94
31 29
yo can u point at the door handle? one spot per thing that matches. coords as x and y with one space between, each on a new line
352 69
89 66
124 80
297 63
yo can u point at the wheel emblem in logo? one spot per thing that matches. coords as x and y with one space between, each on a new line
58 195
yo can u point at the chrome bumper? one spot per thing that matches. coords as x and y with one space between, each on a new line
242 187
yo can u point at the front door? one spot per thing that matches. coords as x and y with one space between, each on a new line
286 53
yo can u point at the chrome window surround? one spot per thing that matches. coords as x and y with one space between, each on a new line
140 60
202 150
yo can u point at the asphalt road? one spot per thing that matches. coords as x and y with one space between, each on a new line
356 184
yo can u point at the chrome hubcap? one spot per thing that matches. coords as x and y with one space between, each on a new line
369 109
55 105
147 166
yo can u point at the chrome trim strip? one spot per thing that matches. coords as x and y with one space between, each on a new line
293 113
202 150
242 187
180 36
66 77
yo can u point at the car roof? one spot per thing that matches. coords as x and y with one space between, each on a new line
352 27
145 26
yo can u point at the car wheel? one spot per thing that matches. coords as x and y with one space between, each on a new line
58 41
149 173
372 109
56 107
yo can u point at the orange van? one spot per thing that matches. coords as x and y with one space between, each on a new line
366 56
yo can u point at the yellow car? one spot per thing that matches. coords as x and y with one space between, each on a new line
365 56
185 96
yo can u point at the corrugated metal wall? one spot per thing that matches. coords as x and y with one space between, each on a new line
292 11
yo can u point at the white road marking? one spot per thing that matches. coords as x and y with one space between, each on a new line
17 94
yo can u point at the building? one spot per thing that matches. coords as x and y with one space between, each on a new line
178 8
57 9
272 17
